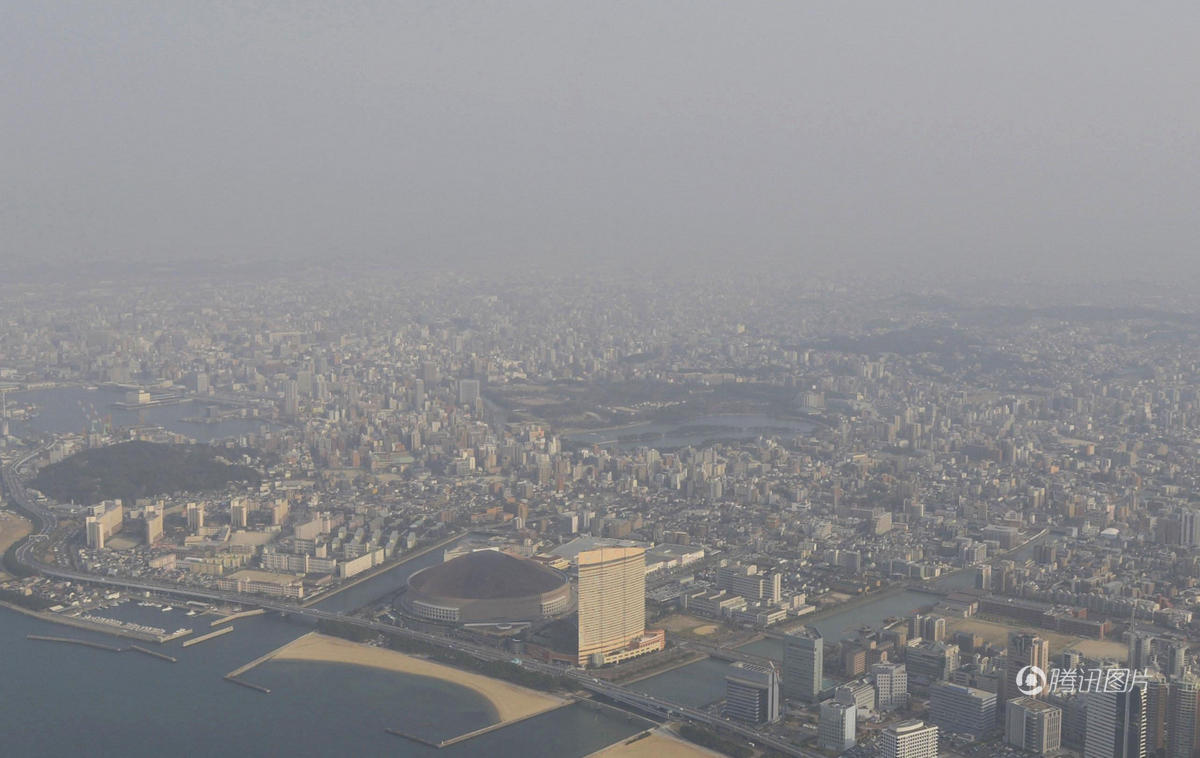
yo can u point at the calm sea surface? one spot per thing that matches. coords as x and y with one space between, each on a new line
70 700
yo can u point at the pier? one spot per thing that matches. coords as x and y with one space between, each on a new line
235 616
244 683
100 646
206 637
69 641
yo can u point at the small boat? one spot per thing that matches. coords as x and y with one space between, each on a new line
166 608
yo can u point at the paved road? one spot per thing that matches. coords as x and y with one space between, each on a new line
649 704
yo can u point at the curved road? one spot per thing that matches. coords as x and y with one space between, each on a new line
47 522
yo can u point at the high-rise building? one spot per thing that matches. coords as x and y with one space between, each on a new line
891 685
1173 657
239 513
752 693
803 664
929 662
152 517
107 517
468 391
1158 699
195 517
1116 724
418 395
1033 725
1024 649
836 729
1183 710
909 739
1140 649
962 710
612 605
95 533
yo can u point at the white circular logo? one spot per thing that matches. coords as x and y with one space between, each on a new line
1031 680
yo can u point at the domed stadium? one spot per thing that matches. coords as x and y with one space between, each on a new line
487 587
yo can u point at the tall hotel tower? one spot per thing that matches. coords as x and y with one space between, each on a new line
612 606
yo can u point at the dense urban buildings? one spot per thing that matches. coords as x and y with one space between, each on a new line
687 480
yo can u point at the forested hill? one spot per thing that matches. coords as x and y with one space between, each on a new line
143 469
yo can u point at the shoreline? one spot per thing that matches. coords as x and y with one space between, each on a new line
511 702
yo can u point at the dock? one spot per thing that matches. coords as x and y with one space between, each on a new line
99 646
206 637
153 654
471 734
235 616
244 683
69 641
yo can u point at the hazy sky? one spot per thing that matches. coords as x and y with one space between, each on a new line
999 135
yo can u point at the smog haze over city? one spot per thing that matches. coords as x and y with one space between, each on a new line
617 379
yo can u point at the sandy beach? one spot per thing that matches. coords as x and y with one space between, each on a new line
659 744
510 701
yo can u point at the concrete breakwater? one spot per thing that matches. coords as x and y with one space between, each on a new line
101 646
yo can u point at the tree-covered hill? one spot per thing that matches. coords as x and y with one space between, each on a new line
142 469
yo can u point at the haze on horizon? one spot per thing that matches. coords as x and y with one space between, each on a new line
1002 137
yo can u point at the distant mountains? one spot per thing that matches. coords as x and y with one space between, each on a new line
133 470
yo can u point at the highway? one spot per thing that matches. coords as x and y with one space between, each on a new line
648 704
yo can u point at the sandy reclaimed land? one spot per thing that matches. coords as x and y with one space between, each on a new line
12 528
659 744
997 633
510 701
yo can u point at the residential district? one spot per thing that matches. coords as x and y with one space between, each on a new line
627 474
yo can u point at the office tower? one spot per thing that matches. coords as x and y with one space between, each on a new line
933 628
930 661
1070 659
1173 657
1024 649
1190 527
1116 724
1033 725
195 517
891 685
95 533
752 693
836 729
1183 709
429 373
612 604
803 664
418 395
1158 699
962 710
1140 647
468 391
291 398
909 739
983 578
860 694
239 513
